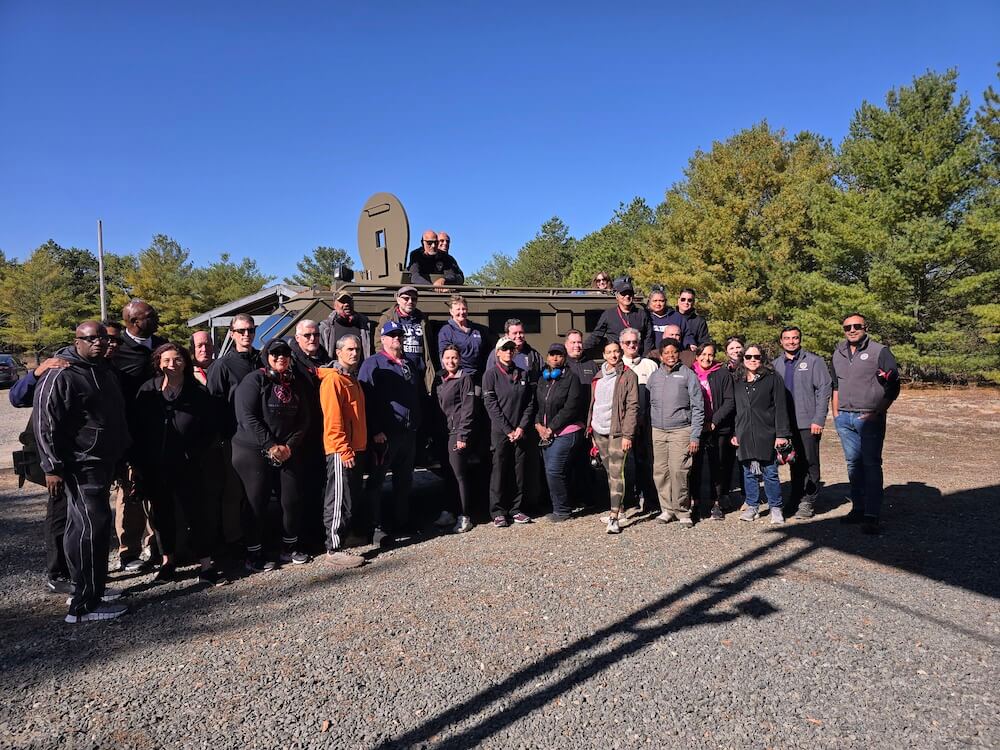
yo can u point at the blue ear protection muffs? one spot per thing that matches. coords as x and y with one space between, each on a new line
552 373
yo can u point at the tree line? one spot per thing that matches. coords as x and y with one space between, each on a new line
901 223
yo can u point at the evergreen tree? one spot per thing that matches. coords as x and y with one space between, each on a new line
316 269
612 248
164 278
225 281
36 300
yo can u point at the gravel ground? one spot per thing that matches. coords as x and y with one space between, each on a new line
558 636
12 423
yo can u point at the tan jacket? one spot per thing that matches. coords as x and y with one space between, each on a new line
625 409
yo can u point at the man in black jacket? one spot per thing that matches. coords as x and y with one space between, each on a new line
81 432
427 261
344 321
696 329
134 364
223 377
626 314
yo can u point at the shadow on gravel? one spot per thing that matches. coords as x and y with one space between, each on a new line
954 539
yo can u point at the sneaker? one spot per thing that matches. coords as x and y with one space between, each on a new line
166 573
762 511
463 524
871 526
259 564
558 518
295 557
446 519
109 595
686 523
749 513
853 517
381 539
501 522
102 611
213 577
343 560
613 527
805 510
777 517
717 514
136 565
521 518
666 517
59 586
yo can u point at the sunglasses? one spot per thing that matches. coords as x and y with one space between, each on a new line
685 299
625 294
92 339
309 335
279 355
430 242
630 343
752 357
243 331
601 280
854 327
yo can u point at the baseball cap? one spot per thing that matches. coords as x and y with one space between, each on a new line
391 327
278 346
557 348
345 295
503 342
623 284
406 290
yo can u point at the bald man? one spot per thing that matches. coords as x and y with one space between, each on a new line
81 431
428 261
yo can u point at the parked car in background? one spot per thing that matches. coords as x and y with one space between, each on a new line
10 370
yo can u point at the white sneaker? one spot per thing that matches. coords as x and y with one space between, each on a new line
777 517
613 527
464 524
103 611
110 595
686 523
445 519
666 517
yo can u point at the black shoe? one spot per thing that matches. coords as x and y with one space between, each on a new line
213 577
853 517
717 514
257 563
382 539
135 565
805 510
166 573
59 586
556 518
871 526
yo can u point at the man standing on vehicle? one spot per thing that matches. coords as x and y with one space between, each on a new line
429 260
626 314
865 383
344 321
695 329
807 386
81 431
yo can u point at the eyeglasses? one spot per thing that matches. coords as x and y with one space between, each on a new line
630 343
243 331
312 335
92 339
752 357
853 327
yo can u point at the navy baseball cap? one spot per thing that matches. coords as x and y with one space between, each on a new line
391 327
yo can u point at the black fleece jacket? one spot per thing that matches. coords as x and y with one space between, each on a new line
224 376
723 401
457 399
264 419
509 397
561 401
79 416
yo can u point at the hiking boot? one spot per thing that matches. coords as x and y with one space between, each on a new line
717 514
463 524
613 527
103 611
805 510
749 513
343 560
445 520
777 517
500 522
521 518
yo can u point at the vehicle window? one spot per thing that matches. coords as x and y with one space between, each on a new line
6 359
532 319
270 327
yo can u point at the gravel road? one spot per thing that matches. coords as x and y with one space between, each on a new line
556 636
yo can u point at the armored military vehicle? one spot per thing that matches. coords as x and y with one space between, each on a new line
383 245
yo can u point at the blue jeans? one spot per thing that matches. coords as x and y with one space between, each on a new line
558 457
772 486
862 442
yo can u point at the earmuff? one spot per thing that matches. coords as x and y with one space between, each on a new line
281 378
552 373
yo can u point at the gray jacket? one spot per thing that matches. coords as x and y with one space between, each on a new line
809 399
676 400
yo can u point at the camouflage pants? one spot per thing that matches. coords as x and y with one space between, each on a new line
613 458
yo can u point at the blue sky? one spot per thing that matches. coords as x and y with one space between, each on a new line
259 130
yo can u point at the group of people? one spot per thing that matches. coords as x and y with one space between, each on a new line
196 446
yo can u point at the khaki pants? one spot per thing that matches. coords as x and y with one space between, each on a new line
671 464
613 459
131 519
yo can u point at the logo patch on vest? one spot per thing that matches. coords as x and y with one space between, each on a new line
803 365
864 356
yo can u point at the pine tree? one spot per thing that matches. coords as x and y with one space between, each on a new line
316 269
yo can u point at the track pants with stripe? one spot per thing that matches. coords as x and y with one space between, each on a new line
343 490
87 538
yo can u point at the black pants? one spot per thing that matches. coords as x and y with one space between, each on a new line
182 487
704 477
461 475
397 455
261 479
805 467
730 471
87 537
582 481
510 462
343 491
55 528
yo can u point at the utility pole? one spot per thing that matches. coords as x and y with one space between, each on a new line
100 269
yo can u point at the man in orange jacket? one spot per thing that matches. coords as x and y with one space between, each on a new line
345 438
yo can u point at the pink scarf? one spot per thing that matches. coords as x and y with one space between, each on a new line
703 374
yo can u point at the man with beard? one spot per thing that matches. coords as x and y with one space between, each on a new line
344 321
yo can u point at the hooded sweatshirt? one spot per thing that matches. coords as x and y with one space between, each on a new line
345 427
79 416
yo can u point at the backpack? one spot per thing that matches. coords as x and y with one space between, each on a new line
27 464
